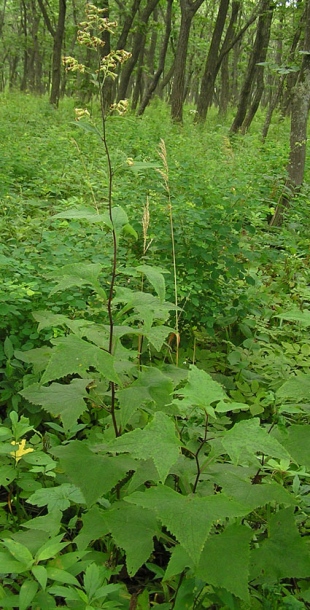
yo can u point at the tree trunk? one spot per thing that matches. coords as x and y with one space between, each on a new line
298 136
136 50
257 53
57 49
210 73
154 82
188 10
259 72
57 34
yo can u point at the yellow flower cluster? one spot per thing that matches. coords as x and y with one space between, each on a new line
20 451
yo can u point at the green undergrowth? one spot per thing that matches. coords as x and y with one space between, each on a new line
154 441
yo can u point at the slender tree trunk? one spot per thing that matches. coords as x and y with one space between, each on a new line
57 49
136 50
209 75
138 86
154 82
188 11
259 51
259 72
166 80
57 34
298 136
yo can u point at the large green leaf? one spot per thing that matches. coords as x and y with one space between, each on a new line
200 391
18 552
152 386
283 554
60 400
50 523
179 560
78 274
248 438
39 357
157 440
188 518
225 559
156 279
296 388
48 319
7 474
133 529
27 593
88 214
146 307
297 443
57 498
156 335
236 482
93 474
94 527
73 355
296 315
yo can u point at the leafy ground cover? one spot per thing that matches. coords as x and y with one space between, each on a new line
144 464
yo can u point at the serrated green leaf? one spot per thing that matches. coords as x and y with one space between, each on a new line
157 441
39 357
9 565
248 438
188 518
61 576
151 386
201 391
48 319
57 498
157 335
18 552
60 400
146 471
8 348
93 579
146 307
297 443
88 214
297 388
27 593
133 529
51 548
48 523
74 355
78 274
237 482
296 315
225 559
179 560
93 474
68 593
40 574
94 527
156 279
284 554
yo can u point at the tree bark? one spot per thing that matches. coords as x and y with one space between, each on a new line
298 135
188 11
257 53
57 34
154 82
260 69
136 50
210 73
57 49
